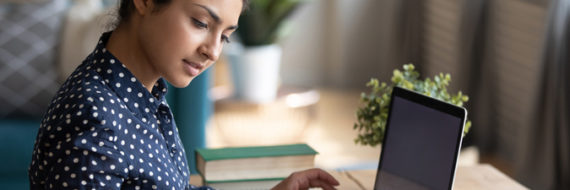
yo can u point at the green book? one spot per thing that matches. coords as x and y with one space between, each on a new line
253 184
255 151
255 163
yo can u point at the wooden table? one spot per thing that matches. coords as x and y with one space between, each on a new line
483 176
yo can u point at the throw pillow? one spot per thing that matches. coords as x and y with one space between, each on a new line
29 39
84 24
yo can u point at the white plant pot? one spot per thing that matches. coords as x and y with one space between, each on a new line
256 73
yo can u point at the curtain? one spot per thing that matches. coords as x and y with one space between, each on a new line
545 162
407 30
513 62
472 32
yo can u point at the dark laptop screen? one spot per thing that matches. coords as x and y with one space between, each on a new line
419 150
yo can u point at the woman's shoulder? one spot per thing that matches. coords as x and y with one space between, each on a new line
85 95
85 109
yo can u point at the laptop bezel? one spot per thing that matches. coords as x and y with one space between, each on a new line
433 103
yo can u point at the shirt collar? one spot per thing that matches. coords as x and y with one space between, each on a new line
127 87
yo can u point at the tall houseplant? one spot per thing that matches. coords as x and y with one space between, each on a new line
261 24
372 117
255 62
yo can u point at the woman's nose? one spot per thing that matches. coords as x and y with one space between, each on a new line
211 49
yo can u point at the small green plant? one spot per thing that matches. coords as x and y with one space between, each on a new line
372 118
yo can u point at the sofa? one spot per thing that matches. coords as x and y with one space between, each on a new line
41 42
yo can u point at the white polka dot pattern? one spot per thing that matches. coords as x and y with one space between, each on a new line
104 130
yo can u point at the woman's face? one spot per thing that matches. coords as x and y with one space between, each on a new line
185 37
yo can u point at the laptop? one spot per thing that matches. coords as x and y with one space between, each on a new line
421 144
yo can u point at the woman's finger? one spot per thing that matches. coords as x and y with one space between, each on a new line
316 173
327 177
322 184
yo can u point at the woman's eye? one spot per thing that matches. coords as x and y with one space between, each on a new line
225 39
199 24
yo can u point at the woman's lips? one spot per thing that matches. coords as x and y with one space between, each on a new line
192 68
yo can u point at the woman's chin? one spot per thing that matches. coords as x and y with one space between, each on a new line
180 83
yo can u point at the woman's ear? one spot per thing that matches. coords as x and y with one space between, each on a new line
143 7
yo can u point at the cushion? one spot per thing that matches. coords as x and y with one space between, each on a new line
22 1
29 39
84 24
18 138
17 143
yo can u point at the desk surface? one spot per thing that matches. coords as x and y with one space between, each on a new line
482 176
476 177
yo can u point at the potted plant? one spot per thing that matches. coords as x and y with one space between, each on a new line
255 62
372 117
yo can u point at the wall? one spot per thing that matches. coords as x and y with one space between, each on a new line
336 43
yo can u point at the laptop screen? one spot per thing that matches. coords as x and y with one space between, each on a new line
421 143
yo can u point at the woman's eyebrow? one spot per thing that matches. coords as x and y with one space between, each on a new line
215 16
212 13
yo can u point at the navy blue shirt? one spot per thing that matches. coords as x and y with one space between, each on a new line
105 130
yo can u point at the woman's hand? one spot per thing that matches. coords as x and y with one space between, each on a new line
306 179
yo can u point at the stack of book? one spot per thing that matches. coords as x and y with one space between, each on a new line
259 167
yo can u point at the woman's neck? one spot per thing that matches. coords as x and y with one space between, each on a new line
124 45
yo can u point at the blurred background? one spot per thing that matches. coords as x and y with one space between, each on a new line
509 56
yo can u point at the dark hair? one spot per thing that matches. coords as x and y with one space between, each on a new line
126 8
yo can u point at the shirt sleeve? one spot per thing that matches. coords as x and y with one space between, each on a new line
88 158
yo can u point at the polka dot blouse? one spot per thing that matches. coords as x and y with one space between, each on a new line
104 130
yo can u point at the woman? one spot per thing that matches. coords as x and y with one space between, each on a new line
109 126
